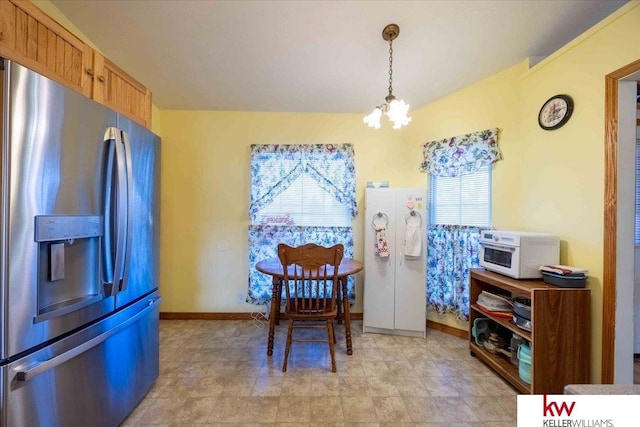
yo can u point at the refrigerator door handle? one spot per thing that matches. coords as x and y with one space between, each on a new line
107 244
122 215
115 218
126 244
26 373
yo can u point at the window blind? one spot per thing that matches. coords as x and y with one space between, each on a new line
461 200
304 203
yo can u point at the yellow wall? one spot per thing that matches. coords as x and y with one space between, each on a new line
206 180
562 172
490 103
156 126
550 181
205 193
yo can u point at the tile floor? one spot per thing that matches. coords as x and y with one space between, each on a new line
217 373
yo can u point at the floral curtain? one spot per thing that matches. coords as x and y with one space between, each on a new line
461 154
275 167
263 241
451 251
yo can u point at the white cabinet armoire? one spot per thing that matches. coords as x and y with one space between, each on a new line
395 272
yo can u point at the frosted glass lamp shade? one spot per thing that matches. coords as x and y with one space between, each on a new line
373 119
397 113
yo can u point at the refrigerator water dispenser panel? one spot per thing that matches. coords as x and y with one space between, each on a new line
68 259
64 227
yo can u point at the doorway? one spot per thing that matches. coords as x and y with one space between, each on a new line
617 283
636 281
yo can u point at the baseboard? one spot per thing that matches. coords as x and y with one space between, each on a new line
247 316
220 316
204 316
448 329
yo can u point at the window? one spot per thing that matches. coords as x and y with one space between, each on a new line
299 194
459 171
304 203
461 200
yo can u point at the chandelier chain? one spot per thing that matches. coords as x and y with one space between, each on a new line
390 67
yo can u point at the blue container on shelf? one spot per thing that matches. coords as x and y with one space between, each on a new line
524 367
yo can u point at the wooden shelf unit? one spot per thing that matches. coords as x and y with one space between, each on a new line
560 336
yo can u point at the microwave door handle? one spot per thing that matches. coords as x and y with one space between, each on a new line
127 210
498 247
107 243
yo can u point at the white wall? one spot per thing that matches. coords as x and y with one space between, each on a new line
636 281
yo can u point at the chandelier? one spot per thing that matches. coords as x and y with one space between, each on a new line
395 109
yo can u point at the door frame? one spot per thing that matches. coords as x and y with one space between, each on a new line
610 217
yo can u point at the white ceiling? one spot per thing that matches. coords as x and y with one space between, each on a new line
321 56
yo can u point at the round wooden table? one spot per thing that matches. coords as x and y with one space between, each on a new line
273 267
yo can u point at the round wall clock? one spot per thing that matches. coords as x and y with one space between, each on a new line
555 112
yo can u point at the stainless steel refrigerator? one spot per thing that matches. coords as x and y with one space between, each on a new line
79 302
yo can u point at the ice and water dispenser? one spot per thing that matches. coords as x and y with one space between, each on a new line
68 263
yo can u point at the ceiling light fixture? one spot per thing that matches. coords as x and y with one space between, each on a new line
395 109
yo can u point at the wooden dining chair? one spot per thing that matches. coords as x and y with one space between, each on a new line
311 284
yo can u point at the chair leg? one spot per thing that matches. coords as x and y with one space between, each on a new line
338 303
334 331
331 340
288 346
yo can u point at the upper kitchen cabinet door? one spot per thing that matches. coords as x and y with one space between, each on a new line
31 38
121 92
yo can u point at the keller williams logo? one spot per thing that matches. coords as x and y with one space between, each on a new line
551 409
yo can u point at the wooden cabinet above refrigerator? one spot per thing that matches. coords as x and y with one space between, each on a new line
32 38
114 88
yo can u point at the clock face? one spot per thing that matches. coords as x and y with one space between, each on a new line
555 112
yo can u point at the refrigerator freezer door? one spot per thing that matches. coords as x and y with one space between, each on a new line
94 377
52 158
143 166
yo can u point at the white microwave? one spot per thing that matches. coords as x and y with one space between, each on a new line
518 254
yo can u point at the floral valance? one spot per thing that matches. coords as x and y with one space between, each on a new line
462 154
275 167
